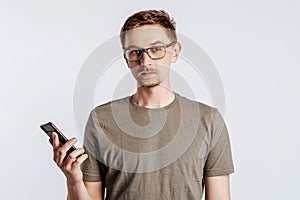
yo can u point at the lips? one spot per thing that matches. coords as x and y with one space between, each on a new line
144 73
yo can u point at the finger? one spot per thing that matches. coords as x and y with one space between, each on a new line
68 144
55 141
55 144
80 160
77 152
72 158
62 151
70 165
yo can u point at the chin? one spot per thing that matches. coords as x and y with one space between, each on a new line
150 84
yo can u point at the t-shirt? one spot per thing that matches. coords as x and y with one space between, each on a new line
155 153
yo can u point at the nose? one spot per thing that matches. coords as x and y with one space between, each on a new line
145 59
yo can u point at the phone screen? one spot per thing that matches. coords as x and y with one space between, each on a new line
49 127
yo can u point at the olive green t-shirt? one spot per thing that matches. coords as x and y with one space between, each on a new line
160 153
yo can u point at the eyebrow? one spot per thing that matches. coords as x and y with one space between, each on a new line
151 44
157 42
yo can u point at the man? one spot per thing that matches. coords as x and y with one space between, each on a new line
154 144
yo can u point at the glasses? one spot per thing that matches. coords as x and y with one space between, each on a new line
155 52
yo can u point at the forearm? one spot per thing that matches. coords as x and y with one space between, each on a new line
78 192
217 188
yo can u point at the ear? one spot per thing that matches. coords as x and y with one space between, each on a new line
126 60
176 51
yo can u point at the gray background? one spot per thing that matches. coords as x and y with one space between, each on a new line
254 45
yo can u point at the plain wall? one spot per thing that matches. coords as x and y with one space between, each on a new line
253 44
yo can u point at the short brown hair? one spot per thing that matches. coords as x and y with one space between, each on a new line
148 17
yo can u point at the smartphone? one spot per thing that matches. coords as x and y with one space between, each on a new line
49 127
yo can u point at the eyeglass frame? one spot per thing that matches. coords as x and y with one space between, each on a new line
146 51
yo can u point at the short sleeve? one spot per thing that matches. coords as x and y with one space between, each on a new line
93 170
219 159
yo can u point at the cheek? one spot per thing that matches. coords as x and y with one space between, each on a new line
134 71
132 65
167 60
169 55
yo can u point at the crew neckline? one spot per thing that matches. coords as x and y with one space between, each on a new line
170 105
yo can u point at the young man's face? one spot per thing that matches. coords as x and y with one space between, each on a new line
150 72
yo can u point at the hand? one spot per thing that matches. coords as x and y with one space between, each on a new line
69 164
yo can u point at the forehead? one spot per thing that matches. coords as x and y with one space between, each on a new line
146 35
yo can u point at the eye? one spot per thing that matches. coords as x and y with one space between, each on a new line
155 49
135 52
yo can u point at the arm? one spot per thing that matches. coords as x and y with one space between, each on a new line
70 166
219 162
78 192
86 191
217 188
95 189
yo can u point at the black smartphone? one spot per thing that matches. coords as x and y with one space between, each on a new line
49 127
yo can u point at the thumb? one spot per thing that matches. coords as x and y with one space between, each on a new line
51 141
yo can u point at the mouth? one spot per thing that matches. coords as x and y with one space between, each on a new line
144 73
147 72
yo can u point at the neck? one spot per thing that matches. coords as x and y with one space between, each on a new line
153 97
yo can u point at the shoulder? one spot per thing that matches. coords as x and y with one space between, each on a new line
204 109
101 114
106 109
